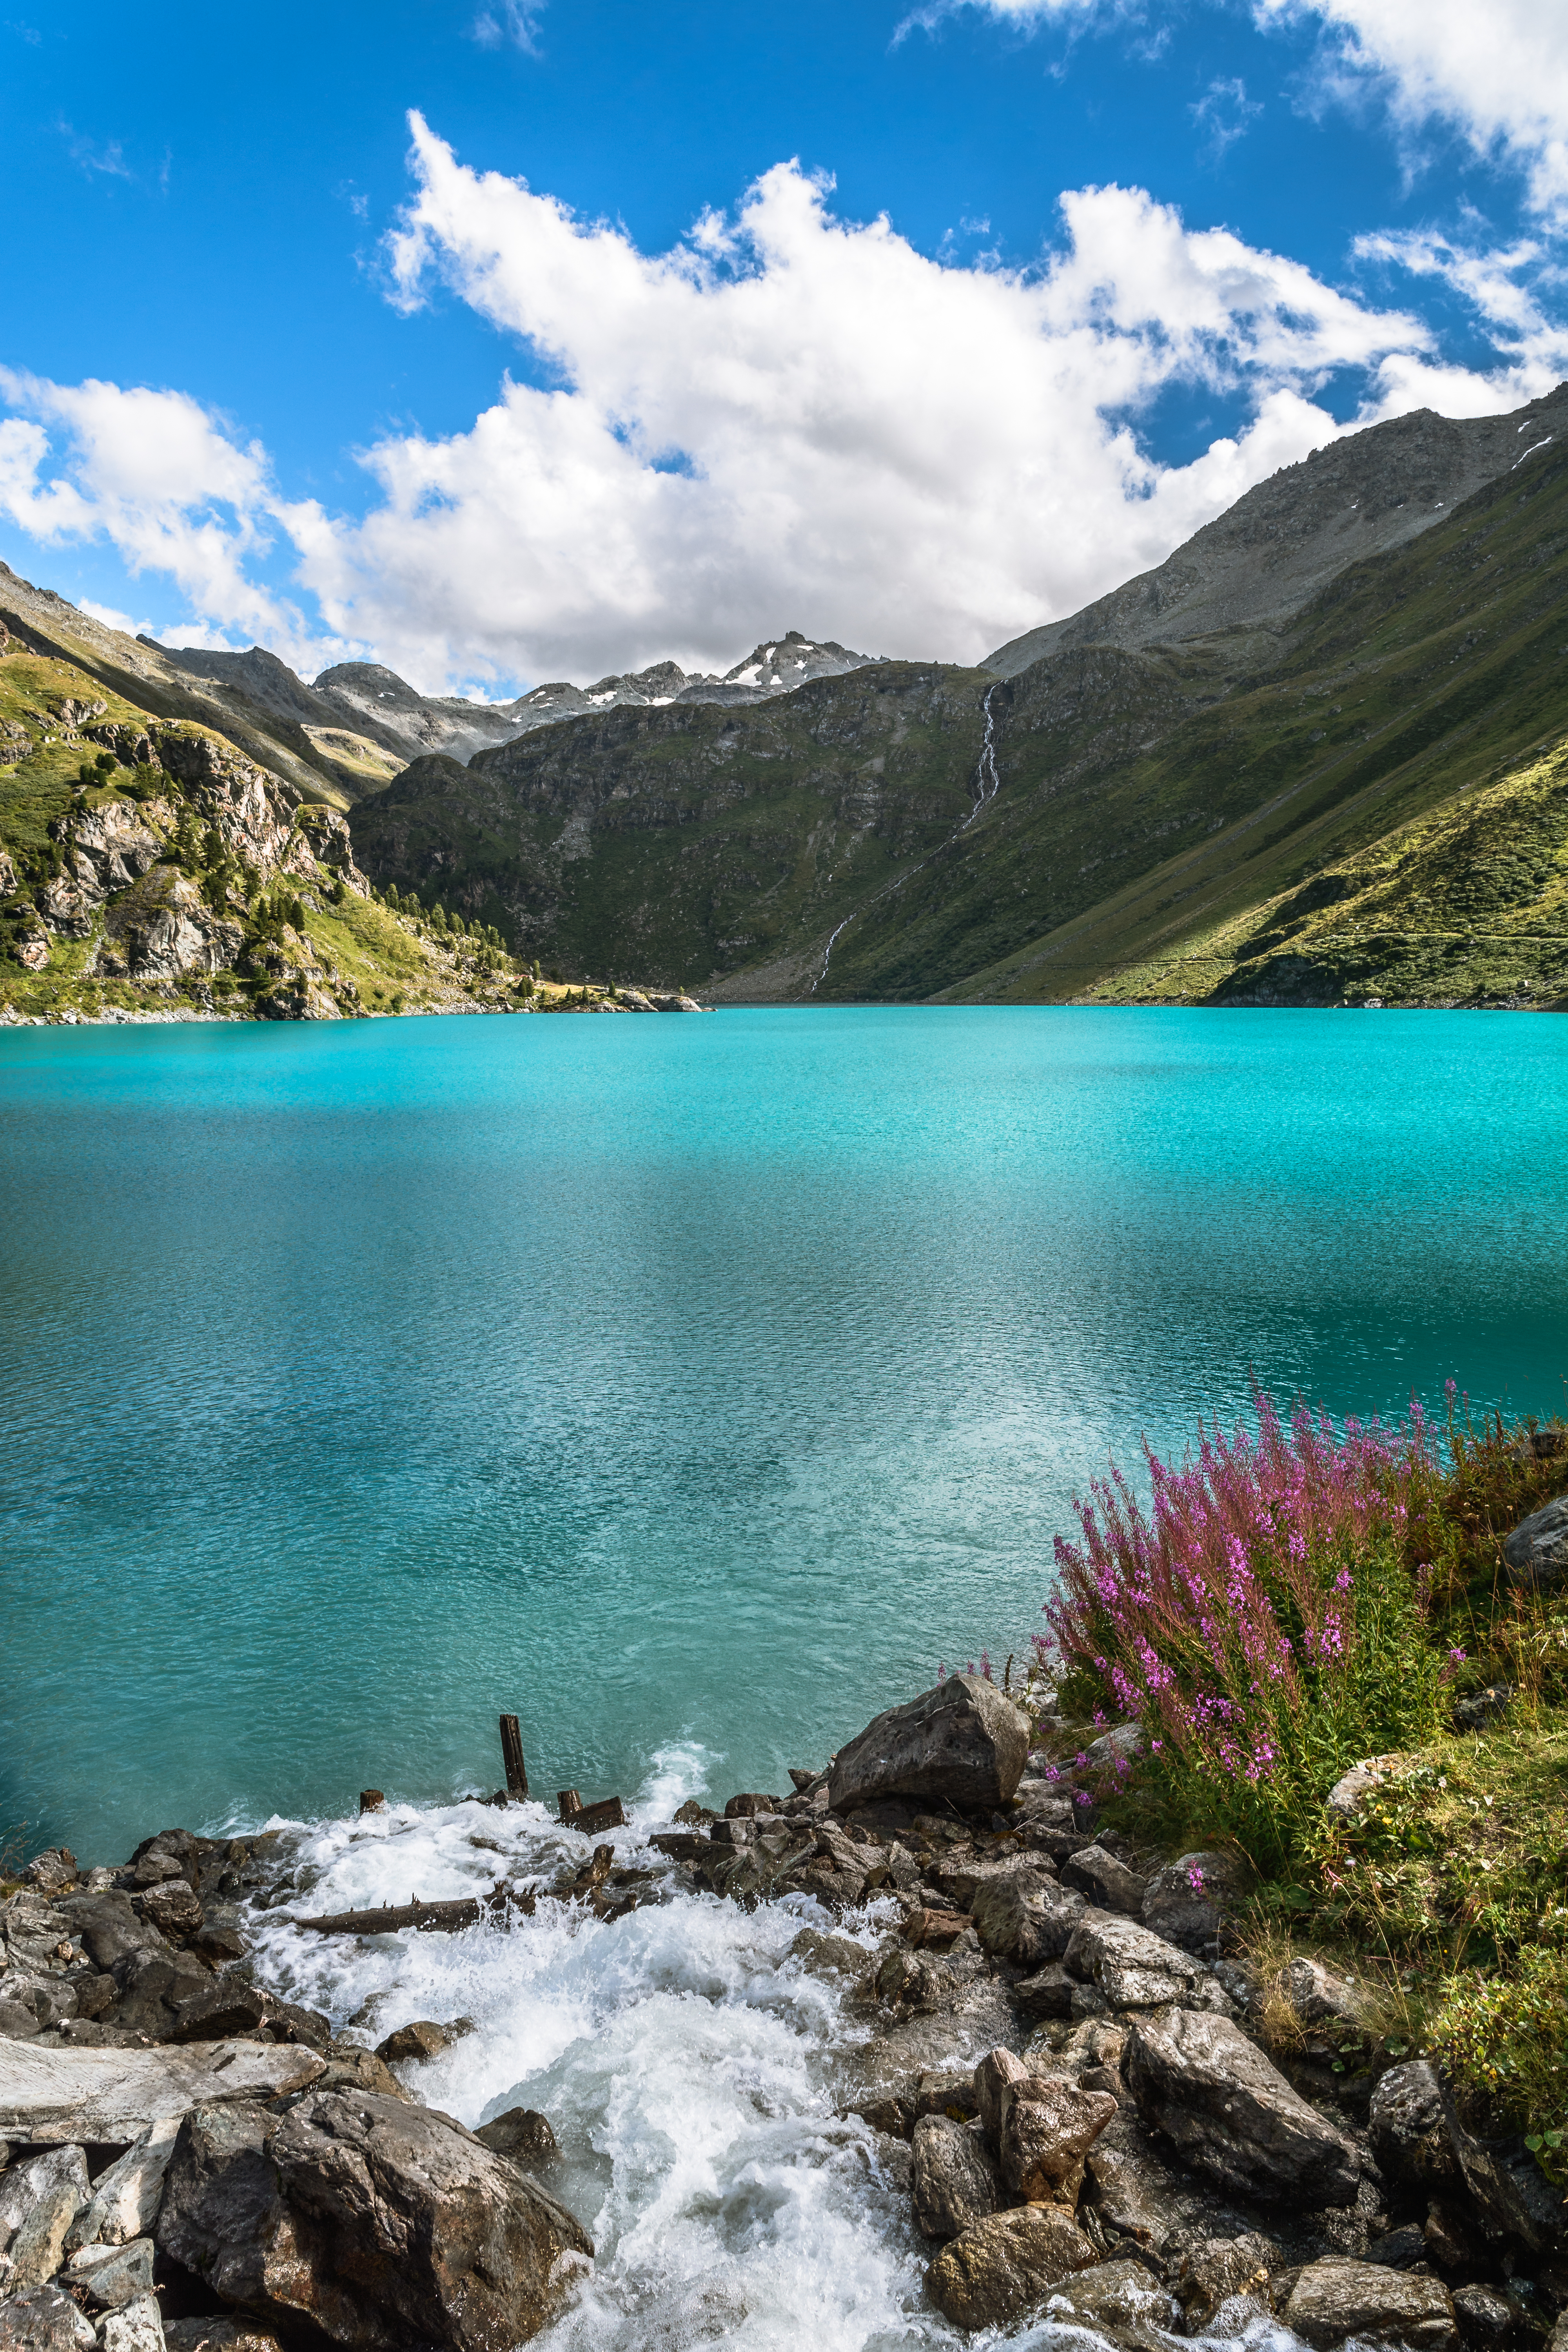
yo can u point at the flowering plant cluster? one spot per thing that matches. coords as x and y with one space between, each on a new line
1258 1618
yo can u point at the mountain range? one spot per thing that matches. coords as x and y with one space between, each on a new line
1319 755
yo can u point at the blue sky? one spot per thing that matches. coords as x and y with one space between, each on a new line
268 372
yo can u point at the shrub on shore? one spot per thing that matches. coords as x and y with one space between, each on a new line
1296 1599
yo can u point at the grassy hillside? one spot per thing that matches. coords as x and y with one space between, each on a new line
1382 813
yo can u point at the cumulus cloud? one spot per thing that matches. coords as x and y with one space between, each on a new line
789 420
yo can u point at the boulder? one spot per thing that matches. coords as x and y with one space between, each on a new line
174 1908
1232 2115
421 2040
1121 2299
1186 1901
1105 1881
1334 2299
125 2199
524 2135
1002 2270
1398 2250
1537 1551
111 2275
380 2223
1320 1997
1132 1968
49 2096
954 2178
962 1742
53 1870
1352 1788
39 2199
110 1929
46 2320
154 1987
1409 2128
1511 2195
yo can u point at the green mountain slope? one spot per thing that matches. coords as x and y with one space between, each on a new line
1364 761
694 841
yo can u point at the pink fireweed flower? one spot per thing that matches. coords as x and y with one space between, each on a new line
1195 1878
1458 1657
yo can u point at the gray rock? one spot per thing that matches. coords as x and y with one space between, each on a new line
1002 2270
50 2096
524 2135
1191 1914
961 1741
1351 1791
380 2222
1409 2128
46 2320
1107 1882
1130 1968
1048 1994
1334 2299
1231 2114
1319 1996
53 1870
174 1908
112 2275
1120 1745
125 2199
134 2327
110 1929
1486 2321
954 2178
1537 1551
1008 1911
1121 2299
237 2335
39 2199
1512 2195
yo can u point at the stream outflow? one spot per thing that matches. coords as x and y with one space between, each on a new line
989 782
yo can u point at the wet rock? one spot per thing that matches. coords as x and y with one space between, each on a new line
962 1742
379 2222
113 2097
1003 2269
1132 1969
954 2178
1537 1551
125 2199
1485 2319
1121 2299
350 2068
1105 1881
524 2135
1217 2270
421 2040
1409 2127
1046 2131
1398 2250
1232 2115
1185 1902
111 2275
1511 2195
1333 2299
1450 2243
835 1955
46 2320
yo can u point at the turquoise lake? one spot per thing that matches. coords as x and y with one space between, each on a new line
676 1378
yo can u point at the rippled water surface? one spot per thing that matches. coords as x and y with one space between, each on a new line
670 1379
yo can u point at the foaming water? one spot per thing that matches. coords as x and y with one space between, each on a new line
682 2056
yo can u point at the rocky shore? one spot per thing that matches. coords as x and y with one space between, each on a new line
1050 2037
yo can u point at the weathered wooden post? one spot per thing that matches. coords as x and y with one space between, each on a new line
371 1801
569 1802
511 1756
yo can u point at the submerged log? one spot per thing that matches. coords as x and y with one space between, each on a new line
443 1919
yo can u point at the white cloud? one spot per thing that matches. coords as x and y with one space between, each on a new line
790 420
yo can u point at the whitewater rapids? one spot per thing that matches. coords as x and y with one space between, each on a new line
684 2058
